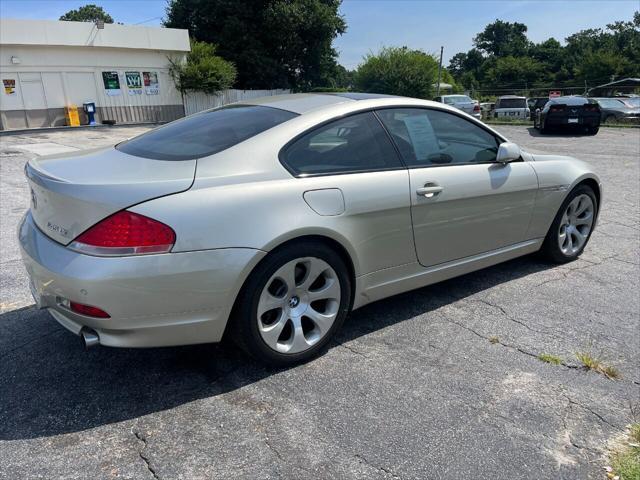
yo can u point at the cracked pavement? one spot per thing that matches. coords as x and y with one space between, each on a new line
442 382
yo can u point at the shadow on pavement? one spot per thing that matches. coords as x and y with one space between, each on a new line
49 385
565 133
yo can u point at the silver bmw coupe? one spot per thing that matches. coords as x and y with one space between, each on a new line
270 220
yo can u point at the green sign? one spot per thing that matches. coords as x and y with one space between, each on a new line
111 83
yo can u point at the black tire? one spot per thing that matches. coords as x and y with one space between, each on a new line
550 248
609 119
593 130
244 322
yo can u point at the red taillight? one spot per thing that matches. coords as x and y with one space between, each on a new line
591 108
556 108
476 108
125 233
88 310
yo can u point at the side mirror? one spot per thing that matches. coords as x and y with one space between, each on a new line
508 152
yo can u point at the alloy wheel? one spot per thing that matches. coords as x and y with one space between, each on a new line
576 224
298 305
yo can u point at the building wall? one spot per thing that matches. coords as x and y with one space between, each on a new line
50 77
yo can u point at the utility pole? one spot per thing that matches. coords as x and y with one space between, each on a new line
439 73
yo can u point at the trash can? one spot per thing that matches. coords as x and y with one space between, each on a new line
90 109
71 115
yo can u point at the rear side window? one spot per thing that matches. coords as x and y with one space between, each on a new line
512 103
433 137
357 143
205 133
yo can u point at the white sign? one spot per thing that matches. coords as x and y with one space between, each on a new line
422 136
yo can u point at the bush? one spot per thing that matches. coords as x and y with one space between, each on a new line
398 71
203 70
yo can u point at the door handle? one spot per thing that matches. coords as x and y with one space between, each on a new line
429 191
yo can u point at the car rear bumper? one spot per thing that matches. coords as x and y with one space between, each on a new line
572 121
153 300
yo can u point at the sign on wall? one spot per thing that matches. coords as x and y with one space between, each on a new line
151 85
111 83
9 86
134 83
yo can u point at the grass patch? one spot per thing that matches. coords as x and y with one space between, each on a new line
591 362
548 358
625 460
494 339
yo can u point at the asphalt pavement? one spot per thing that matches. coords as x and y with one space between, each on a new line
442 382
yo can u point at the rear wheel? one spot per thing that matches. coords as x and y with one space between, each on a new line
571 229
591 130
292 304
541 127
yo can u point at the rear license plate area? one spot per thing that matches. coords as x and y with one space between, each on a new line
572 120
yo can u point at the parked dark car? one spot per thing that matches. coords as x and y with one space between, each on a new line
569 112
536 103
618 109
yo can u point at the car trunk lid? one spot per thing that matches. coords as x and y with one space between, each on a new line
72 192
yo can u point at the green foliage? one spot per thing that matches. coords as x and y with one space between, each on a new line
503 57
595 364
549 358
503 38
625 460
272 43
512 71
398 71
87 13
203 71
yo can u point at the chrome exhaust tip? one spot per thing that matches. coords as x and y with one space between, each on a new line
89 338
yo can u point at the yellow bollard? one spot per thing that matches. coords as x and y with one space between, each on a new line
71 114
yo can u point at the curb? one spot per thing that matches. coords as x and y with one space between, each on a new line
21 131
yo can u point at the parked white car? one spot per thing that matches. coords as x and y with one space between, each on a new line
512 107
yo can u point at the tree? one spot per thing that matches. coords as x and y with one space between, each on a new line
203 70
504 57
503 38
512 71
398 71
272 43
87 13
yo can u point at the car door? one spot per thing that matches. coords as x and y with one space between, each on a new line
463 202
351 175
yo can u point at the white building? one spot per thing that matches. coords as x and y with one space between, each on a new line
123 69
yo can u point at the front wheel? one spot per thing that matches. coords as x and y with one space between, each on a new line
572 226
292 304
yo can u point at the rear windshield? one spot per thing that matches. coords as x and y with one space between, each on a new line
571 100
512 103
205 133
451 100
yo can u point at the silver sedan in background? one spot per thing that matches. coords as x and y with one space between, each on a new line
270 220
462 102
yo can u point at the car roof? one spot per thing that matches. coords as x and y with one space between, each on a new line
304 102
510 96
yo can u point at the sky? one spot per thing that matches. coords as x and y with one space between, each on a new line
372 24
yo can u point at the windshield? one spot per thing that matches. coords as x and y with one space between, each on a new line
511 103
205 133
